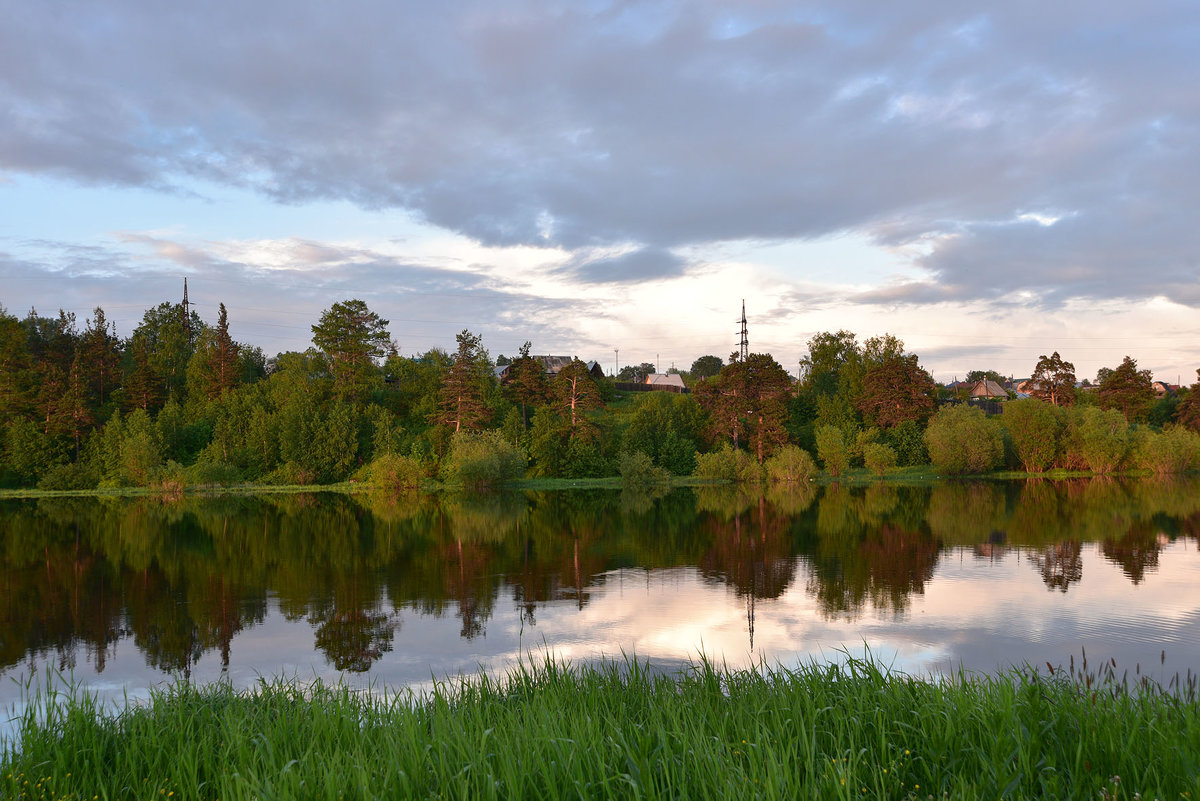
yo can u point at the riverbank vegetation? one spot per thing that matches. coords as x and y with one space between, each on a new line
180 404
844 730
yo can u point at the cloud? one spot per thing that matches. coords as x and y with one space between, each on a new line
656 126
643 264
276 289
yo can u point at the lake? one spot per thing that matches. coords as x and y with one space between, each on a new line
125 594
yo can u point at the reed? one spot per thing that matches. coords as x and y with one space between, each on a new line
550 730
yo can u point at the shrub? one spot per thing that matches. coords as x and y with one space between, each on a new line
482 459
638 470
394 474
879 458
1098 440
791 465
1175 450
71 476
961 439
1035 428
832 451
728 464
906 440
212 473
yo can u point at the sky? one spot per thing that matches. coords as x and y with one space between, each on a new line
987 182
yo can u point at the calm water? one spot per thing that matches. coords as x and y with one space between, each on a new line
127 594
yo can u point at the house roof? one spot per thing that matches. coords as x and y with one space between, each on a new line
988 389
553 364
665 380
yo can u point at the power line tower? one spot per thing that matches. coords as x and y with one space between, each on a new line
744 343
187 311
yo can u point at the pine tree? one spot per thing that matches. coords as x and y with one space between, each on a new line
15 377
1054 380
353 337
142 386
575 392
1128 389
214 369
460 400
527 383
101 350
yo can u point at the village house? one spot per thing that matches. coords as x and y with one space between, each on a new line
670 382
552 366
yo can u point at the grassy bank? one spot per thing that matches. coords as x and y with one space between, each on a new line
850 731
922 474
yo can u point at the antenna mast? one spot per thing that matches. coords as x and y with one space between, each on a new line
744 343
186 306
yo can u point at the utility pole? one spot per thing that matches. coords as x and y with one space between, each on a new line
616 361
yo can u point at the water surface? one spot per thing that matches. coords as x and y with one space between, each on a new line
127 594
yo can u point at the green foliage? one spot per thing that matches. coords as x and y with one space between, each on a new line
141 450
908 441
1053 380
481 459
666 427
791 465
879 458
320 444
353 337
1035 428
212 474
1096 439
638 470
69 476
961 440
28 453
1175 450
728 464
1127 389
832 450
395 474
705 367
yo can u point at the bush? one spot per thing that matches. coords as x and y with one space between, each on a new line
1098 440
73 476
879 458
961 439
212 474
908 443
791 465
728 464
393 473
1175 450
638 470
1035 428
482 459
832 450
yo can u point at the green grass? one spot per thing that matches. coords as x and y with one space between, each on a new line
622 731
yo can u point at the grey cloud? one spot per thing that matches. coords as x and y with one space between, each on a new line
645 264
657 124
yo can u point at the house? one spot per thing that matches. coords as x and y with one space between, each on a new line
552 365
672 382
1161 389
987 389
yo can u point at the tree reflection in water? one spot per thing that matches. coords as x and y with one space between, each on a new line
185 578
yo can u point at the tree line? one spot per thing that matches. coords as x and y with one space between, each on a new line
180 402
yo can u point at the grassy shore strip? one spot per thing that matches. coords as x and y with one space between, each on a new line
920 475
622 731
